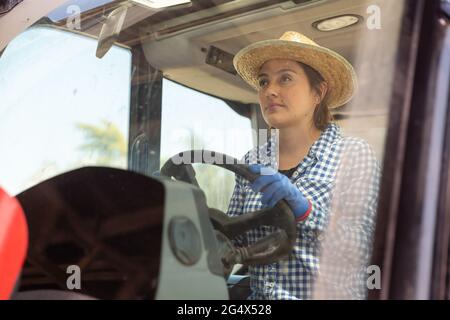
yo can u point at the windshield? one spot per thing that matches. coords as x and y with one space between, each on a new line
125 85
60 118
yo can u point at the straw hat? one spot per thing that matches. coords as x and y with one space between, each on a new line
335 69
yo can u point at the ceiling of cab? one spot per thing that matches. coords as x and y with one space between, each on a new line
180 50
179 41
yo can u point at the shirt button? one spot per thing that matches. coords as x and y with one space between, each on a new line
295 174
270 285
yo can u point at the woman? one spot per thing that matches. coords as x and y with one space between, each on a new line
330 182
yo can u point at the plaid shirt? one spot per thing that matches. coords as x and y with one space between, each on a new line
340 177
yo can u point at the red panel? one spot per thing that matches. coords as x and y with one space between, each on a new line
13 243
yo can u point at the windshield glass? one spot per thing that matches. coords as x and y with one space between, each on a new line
62 108
122 84
193 120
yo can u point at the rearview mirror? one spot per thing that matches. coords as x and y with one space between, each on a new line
111 30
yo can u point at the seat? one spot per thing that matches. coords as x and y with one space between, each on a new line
13 243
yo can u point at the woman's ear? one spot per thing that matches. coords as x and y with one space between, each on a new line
323 90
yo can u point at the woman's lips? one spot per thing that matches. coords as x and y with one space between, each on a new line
274 107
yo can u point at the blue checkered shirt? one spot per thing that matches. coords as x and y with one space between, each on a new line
339 175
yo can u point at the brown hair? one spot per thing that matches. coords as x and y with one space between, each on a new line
322 115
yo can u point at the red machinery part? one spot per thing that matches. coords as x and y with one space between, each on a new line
13 243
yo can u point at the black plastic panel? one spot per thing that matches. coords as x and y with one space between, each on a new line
106 221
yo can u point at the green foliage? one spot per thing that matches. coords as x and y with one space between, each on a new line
105 142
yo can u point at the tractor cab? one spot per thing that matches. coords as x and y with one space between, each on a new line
100 99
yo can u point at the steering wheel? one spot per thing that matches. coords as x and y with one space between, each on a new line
266 250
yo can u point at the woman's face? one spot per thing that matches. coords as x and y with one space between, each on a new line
285 95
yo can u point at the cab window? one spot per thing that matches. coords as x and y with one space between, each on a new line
194 120
62 108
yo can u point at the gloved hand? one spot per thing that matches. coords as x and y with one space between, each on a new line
156 173
276 186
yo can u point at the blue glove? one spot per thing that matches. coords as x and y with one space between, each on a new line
156 173
276 186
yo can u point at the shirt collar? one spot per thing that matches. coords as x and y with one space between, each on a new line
327 138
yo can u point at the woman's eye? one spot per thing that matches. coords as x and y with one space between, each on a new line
286 78
262 83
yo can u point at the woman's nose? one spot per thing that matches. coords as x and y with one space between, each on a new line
272 90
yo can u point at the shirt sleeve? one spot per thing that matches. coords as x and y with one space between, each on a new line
347 245
316 217
236 206
354 202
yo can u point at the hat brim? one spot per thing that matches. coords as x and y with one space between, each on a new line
335 69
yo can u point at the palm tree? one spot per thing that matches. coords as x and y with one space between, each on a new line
105 142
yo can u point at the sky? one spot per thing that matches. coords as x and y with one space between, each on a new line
50 80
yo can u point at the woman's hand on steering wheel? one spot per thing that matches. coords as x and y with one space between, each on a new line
275 186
